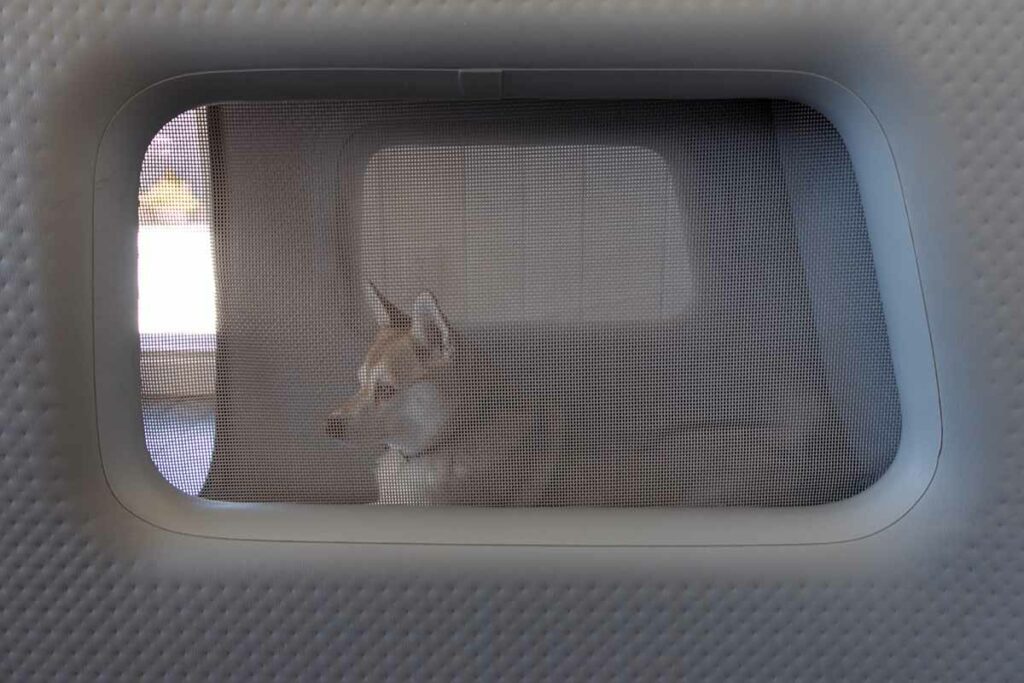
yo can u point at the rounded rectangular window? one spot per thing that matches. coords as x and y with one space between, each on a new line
512 303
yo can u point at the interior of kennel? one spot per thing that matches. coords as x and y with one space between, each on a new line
685 290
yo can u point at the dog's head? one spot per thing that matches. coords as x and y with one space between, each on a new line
398 401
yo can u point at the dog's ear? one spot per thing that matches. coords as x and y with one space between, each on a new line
431 330
384 312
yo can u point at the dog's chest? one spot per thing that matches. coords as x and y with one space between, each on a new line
408 481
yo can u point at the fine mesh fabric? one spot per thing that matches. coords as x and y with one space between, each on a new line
622 303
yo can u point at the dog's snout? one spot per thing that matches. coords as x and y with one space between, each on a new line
335 428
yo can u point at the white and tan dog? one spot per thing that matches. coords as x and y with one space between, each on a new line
447 421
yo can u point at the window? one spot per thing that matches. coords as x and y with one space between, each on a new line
177 300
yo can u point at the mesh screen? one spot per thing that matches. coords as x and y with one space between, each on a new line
620 303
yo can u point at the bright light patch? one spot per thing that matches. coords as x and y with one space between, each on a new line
176 287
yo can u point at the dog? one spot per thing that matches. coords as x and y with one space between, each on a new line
447 419
449 427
